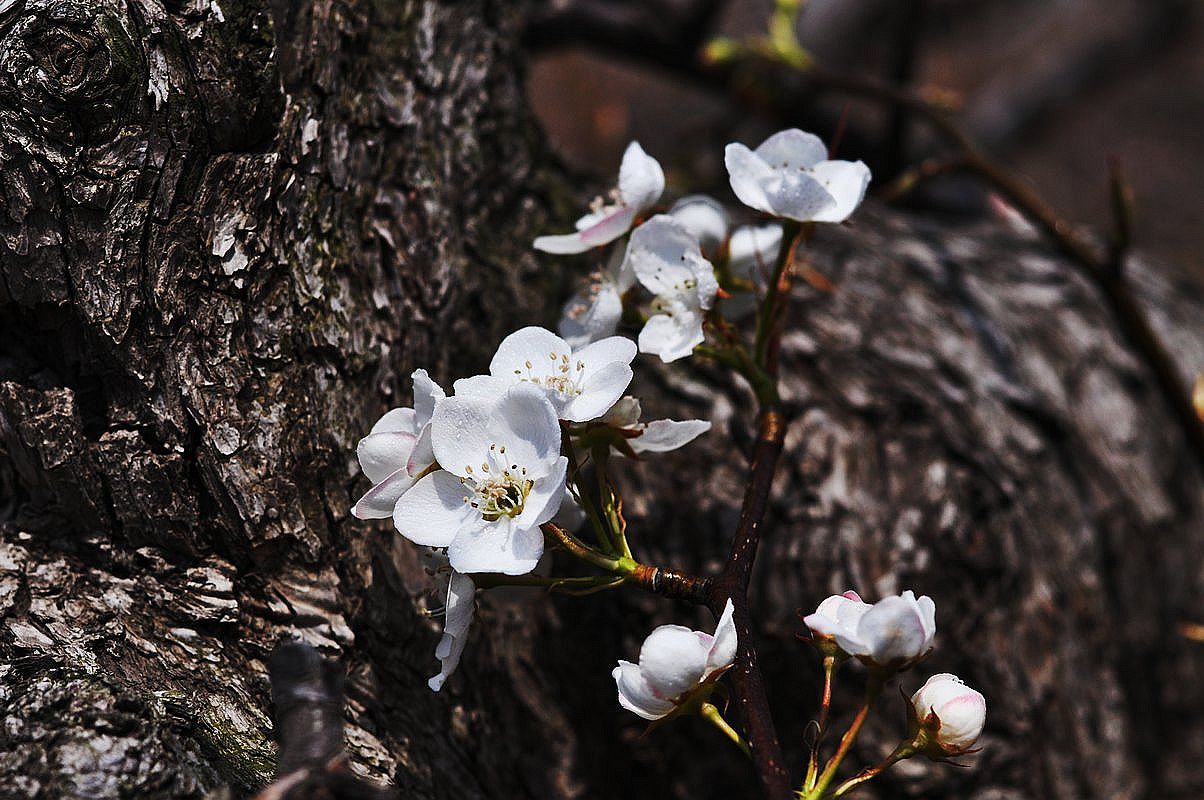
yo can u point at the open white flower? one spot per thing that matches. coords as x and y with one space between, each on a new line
951 713
789 175
641 182
581 384
704 218
595 311
658 436
668 262
460 594
893 633
502 477
397 450
674 663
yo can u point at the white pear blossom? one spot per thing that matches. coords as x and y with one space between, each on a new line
668 262
641 182
397 450
674 662
789 175
460 593
705 218
502 477
581 384
958 713
595 311
893 633
658 436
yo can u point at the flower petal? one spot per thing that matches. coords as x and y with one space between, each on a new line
623 414
641 179
599 392
610 227
382 454
398 419
426 394
529 350
607 351
562 244
636 695
723 648
486 387
545 498
497 547
591 314
658 253
825 625
674 659
672 337
460 432
706 285
748 174
524 422
892 630
704 218
753 250
793 149
798 196
457 618
846 182
662 435
379 501
423 454
433 511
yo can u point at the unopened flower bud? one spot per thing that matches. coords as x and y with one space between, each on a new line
949 716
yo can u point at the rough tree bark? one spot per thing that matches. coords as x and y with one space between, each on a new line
230 230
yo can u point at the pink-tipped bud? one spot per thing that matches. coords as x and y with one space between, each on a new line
950 716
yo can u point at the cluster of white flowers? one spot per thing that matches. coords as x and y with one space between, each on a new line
481 476
474 475
892 635
672 255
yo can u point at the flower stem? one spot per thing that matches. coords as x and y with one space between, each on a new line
712 714
904 750
607 501
846 742
583 551
821 724
768 313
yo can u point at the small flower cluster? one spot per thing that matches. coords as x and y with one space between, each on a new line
476 474
945 716
671 256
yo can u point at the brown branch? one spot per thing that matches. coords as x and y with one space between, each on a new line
732 584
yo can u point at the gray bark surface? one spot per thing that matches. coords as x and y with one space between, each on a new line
229 231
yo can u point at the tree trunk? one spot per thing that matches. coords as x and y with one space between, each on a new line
231 230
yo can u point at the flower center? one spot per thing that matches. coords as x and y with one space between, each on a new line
501 491
613 201
562 375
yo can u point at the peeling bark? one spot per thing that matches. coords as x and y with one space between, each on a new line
231 229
